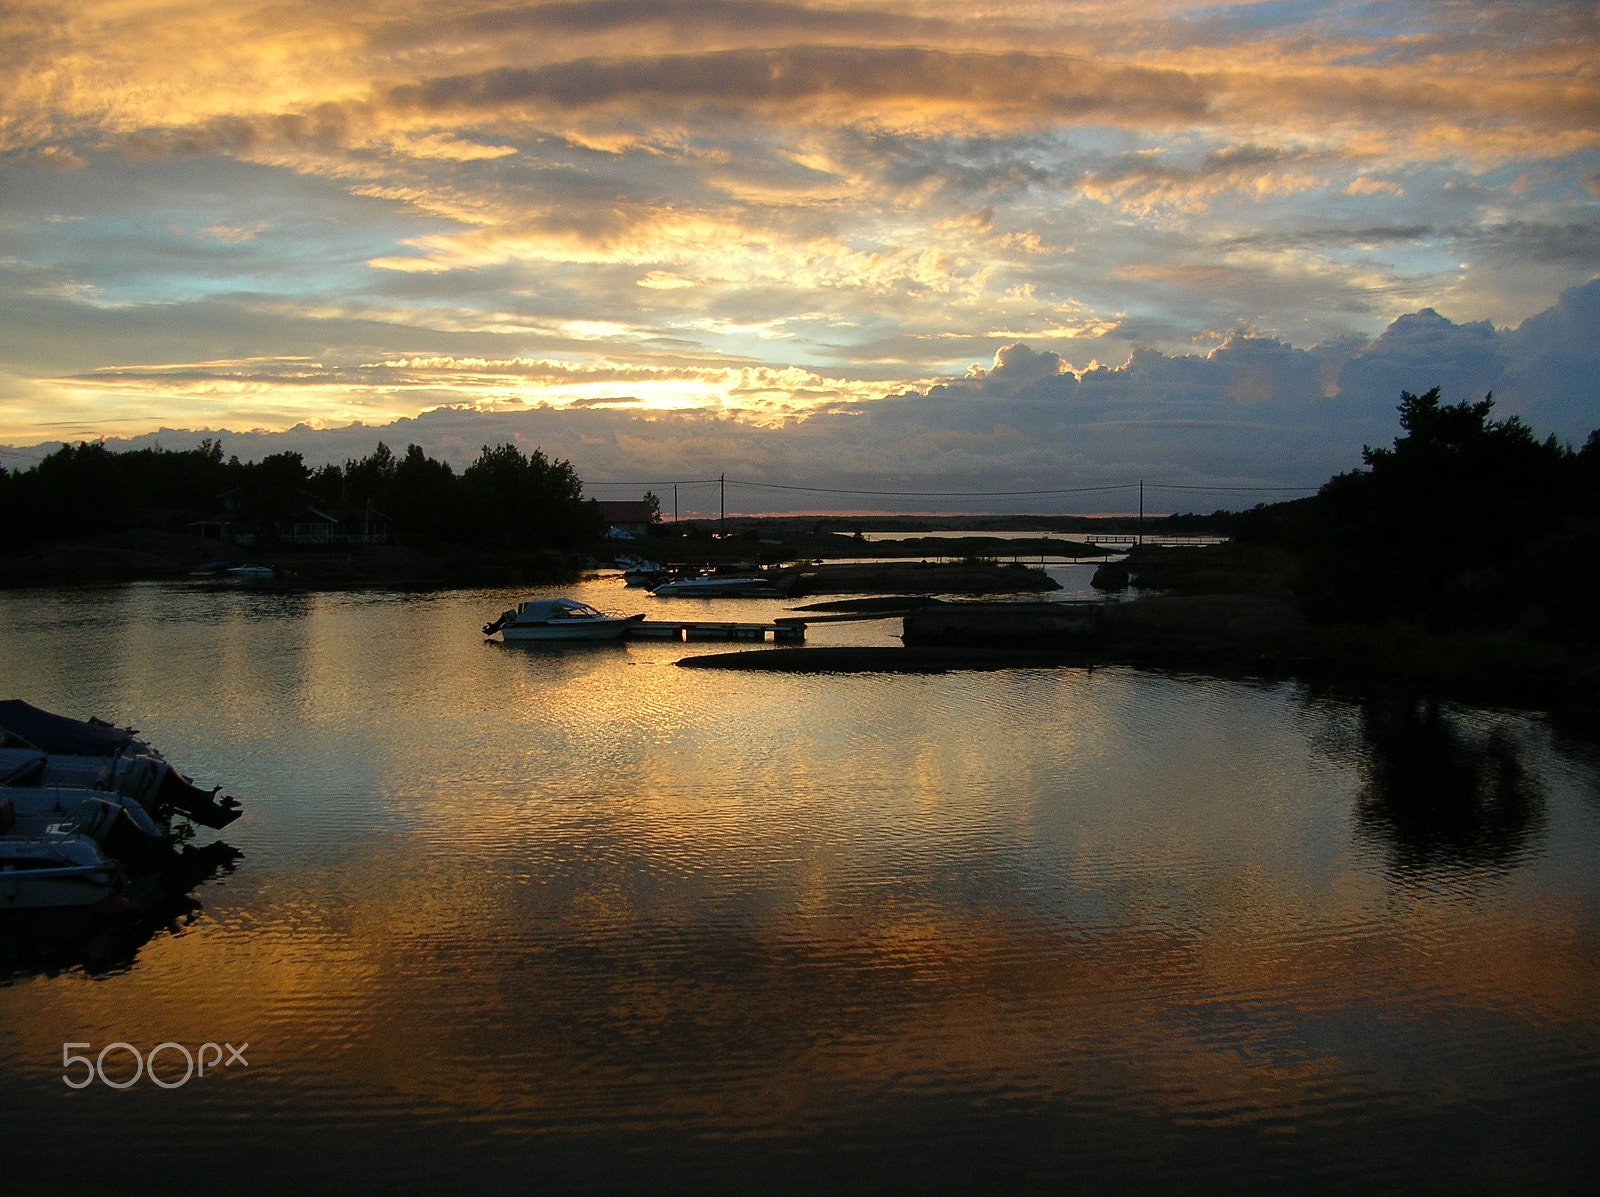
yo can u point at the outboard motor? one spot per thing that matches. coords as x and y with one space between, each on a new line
163 789
124 830
489 629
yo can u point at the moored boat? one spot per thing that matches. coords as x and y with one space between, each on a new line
87 809
41 748
117 823
722 586
559 619
638 571
53 870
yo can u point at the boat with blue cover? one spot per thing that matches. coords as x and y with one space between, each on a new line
559 619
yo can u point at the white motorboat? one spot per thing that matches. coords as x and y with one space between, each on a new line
639 571
720 586
559 619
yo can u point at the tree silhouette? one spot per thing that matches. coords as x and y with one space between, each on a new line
503 500
525 502
1441 528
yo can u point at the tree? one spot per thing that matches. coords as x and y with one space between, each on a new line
526 502
1432 529
424 499
372 479
275 487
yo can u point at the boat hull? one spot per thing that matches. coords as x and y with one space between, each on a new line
34 891
610 629
51 872
718 588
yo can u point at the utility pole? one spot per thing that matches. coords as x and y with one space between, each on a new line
674 502
724 526
1141 511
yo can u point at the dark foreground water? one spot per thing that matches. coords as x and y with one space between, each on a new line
579 920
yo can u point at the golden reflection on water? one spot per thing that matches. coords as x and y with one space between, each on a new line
570 892
593 1006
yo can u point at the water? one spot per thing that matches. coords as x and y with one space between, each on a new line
576 920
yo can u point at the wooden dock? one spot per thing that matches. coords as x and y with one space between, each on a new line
784 632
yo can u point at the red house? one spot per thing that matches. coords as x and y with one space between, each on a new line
632 517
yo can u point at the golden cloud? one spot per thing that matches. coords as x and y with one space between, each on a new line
1044 86
852 181
298 74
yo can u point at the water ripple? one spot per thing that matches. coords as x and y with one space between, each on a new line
585 918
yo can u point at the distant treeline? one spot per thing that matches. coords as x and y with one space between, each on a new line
503 500
1467 524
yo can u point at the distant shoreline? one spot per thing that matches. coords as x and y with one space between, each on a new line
142 554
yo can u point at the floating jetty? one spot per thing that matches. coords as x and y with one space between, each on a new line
1021 625
785 631
885 659
1259 632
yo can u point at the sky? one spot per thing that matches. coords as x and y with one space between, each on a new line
906 244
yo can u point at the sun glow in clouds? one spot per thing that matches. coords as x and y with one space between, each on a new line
753 206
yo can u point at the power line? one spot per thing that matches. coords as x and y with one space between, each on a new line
933 494
1235 489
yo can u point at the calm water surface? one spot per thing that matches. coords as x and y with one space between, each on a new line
575 919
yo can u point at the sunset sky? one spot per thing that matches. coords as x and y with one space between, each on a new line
730 234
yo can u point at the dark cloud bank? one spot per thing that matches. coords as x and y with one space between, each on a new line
1254 413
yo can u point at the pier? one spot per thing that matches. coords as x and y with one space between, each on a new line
789 631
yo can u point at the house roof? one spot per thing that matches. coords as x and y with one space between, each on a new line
632 511
341 514
301 515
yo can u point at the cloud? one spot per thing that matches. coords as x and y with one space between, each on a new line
1049 85
1463 359
688 21
1144 183
1321 235
665 280
1017 366
1574 242
298 75
1552 365
1362 185
59 158
869 195
1253 412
